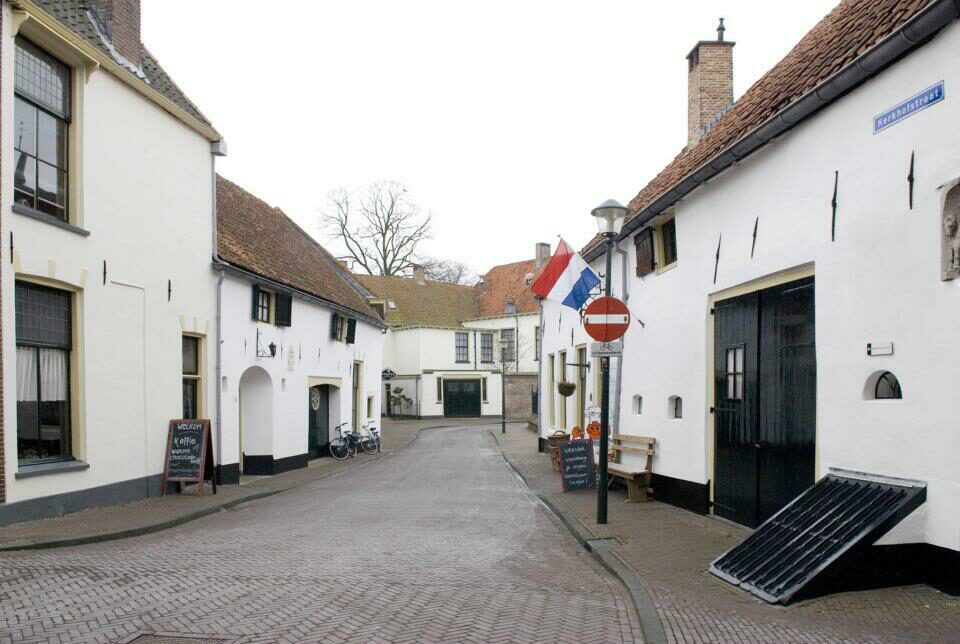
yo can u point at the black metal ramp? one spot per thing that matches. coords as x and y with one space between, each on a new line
838 514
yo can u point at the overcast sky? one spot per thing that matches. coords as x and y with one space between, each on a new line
507 120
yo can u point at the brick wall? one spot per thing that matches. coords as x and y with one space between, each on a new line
519 392
122 18
709 85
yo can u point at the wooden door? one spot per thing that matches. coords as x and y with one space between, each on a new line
461 398
318 421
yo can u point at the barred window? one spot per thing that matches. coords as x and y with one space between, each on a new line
41 118
462 347
486 347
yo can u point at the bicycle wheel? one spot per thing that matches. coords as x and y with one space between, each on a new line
369 444
339 449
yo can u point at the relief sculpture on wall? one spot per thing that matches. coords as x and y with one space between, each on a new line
950 245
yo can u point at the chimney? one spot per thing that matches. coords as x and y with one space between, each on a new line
542 255
419 274
709 84
120 20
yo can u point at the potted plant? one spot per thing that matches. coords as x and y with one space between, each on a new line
566 389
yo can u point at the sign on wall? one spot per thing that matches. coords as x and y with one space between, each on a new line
930 96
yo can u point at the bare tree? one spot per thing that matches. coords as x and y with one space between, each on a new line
449 271
381 228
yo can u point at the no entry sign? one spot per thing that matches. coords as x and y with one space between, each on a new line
606 319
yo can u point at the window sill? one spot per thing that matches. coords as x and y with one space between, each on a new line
43 469
49 219
668 267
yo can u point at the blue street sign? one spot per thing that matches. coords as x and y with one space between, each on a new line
930 96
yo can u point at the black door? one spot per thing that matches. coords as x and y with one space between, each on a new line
318 421
461 398
765 406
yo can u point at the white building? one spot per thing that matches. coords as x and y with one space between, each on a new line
107 197
443 347
793 269
301 351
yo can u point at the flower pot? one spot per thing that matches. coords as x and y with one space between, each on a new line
566 389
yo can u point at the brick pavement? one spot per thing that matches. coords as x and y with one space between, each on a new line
670 550
439 542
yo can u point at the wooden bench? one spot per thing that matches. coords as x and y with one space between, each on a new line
636 478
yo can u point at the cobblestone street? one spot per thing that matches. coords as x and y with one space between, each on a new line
438 542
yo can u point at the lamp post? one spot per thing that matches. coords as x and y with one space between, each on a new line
503 385
609 215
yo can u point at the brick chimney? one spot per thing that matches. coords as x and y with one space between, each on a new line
121 21
709 84
419 274
541 255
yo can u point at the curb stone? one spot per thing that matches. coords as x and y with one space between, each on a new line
653 632
193 516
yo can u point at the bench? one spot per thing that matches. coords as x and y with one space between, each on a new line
636 478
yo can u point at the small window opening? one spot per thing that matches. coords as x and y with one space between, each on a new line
887 387
637 405
675 410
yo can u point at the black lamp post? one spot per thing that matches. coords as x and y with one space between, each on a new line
503 385
610 215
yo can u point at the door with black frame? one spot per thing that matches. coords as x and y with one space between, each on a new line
461 398
765 400
318 421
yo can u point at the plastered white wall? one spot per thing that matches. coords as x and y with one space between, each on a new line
878 282
525 326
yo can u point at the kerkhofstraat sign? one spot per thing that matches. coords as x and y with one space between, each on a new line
930 96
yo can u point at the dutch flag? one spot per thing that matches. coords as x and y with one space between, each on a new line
566 279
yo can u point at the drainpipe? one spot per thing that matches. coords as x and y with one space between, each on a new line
626 298
540 425
217 149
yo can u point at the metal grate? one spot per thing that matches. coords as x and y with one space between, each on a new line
818 527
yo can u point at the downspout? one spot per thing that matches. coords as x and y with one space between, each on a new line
626 298
536 342
217 149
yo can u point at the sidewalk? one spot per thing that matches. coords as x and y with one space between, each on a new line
667 551
159 513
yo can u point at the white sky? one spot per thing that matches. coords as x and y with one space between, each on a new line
508 120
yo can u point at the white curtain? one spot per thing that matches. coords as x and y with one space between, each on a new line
54 381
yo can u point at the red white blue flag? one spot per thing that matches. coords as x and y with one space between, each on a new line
567 278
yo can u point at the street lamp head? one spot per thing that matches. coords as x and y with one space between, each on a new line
504 343
610 215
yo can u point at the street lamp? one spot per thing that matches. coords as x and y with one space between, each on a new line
610 215
503 384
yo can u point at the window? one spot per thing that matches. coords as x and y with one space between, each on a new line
369 407
668 242
337 327
563 378
536 343
439 390
510 352
486 347
734 373
643 244
483 389
551 390
44 333
262 304
41 120
191 377
462 341
637 405
675 407
379 307
888 387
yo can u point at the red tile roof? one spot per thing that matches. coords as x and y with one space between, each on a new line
504 282
260 239
851 29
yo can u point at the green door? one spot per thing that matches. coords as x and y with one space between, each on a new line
461 398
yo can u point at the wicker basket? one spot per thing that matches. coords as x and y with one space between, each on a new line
566 389
555 440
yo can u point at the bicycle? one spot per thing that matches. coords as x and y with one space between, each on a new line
369 438
343 445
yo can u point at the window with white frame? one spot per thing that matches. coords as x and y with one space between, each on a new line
191 376
462 346
510 351
486 347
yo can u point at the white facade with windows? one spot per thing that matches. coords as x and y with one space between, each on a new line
108 304
767 225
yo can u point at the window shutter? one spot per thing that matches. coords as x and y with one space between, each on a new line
644 247
284 310
256 300
335 326
351 331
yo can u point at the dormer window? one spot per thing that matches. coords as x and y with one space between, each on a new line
510 307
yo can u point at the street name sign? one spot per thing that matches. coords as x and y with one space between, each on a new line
606 319
606 349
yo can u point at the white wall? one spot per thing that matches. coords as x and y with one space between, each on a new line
143 190
878 282
525 325
304 351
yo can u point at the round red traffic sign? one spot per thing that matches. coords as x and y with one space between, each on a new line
606 319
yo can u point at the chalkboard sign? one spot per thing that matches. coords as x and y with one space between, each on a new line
189 457
576 466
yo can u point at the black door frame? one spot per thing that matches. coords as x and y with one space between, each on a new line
781 279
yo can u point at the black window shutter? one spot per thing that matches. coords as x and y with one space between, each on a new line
644 247
282 317
256 300
335 326
351 331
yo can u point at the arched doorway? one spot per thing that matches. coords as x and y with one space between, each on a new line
256 422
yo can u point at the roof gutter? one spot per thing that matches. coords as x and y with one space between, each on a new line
912 34
221 265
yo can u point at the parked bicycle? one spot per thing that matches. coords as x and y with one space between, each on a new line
345 444
370 438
